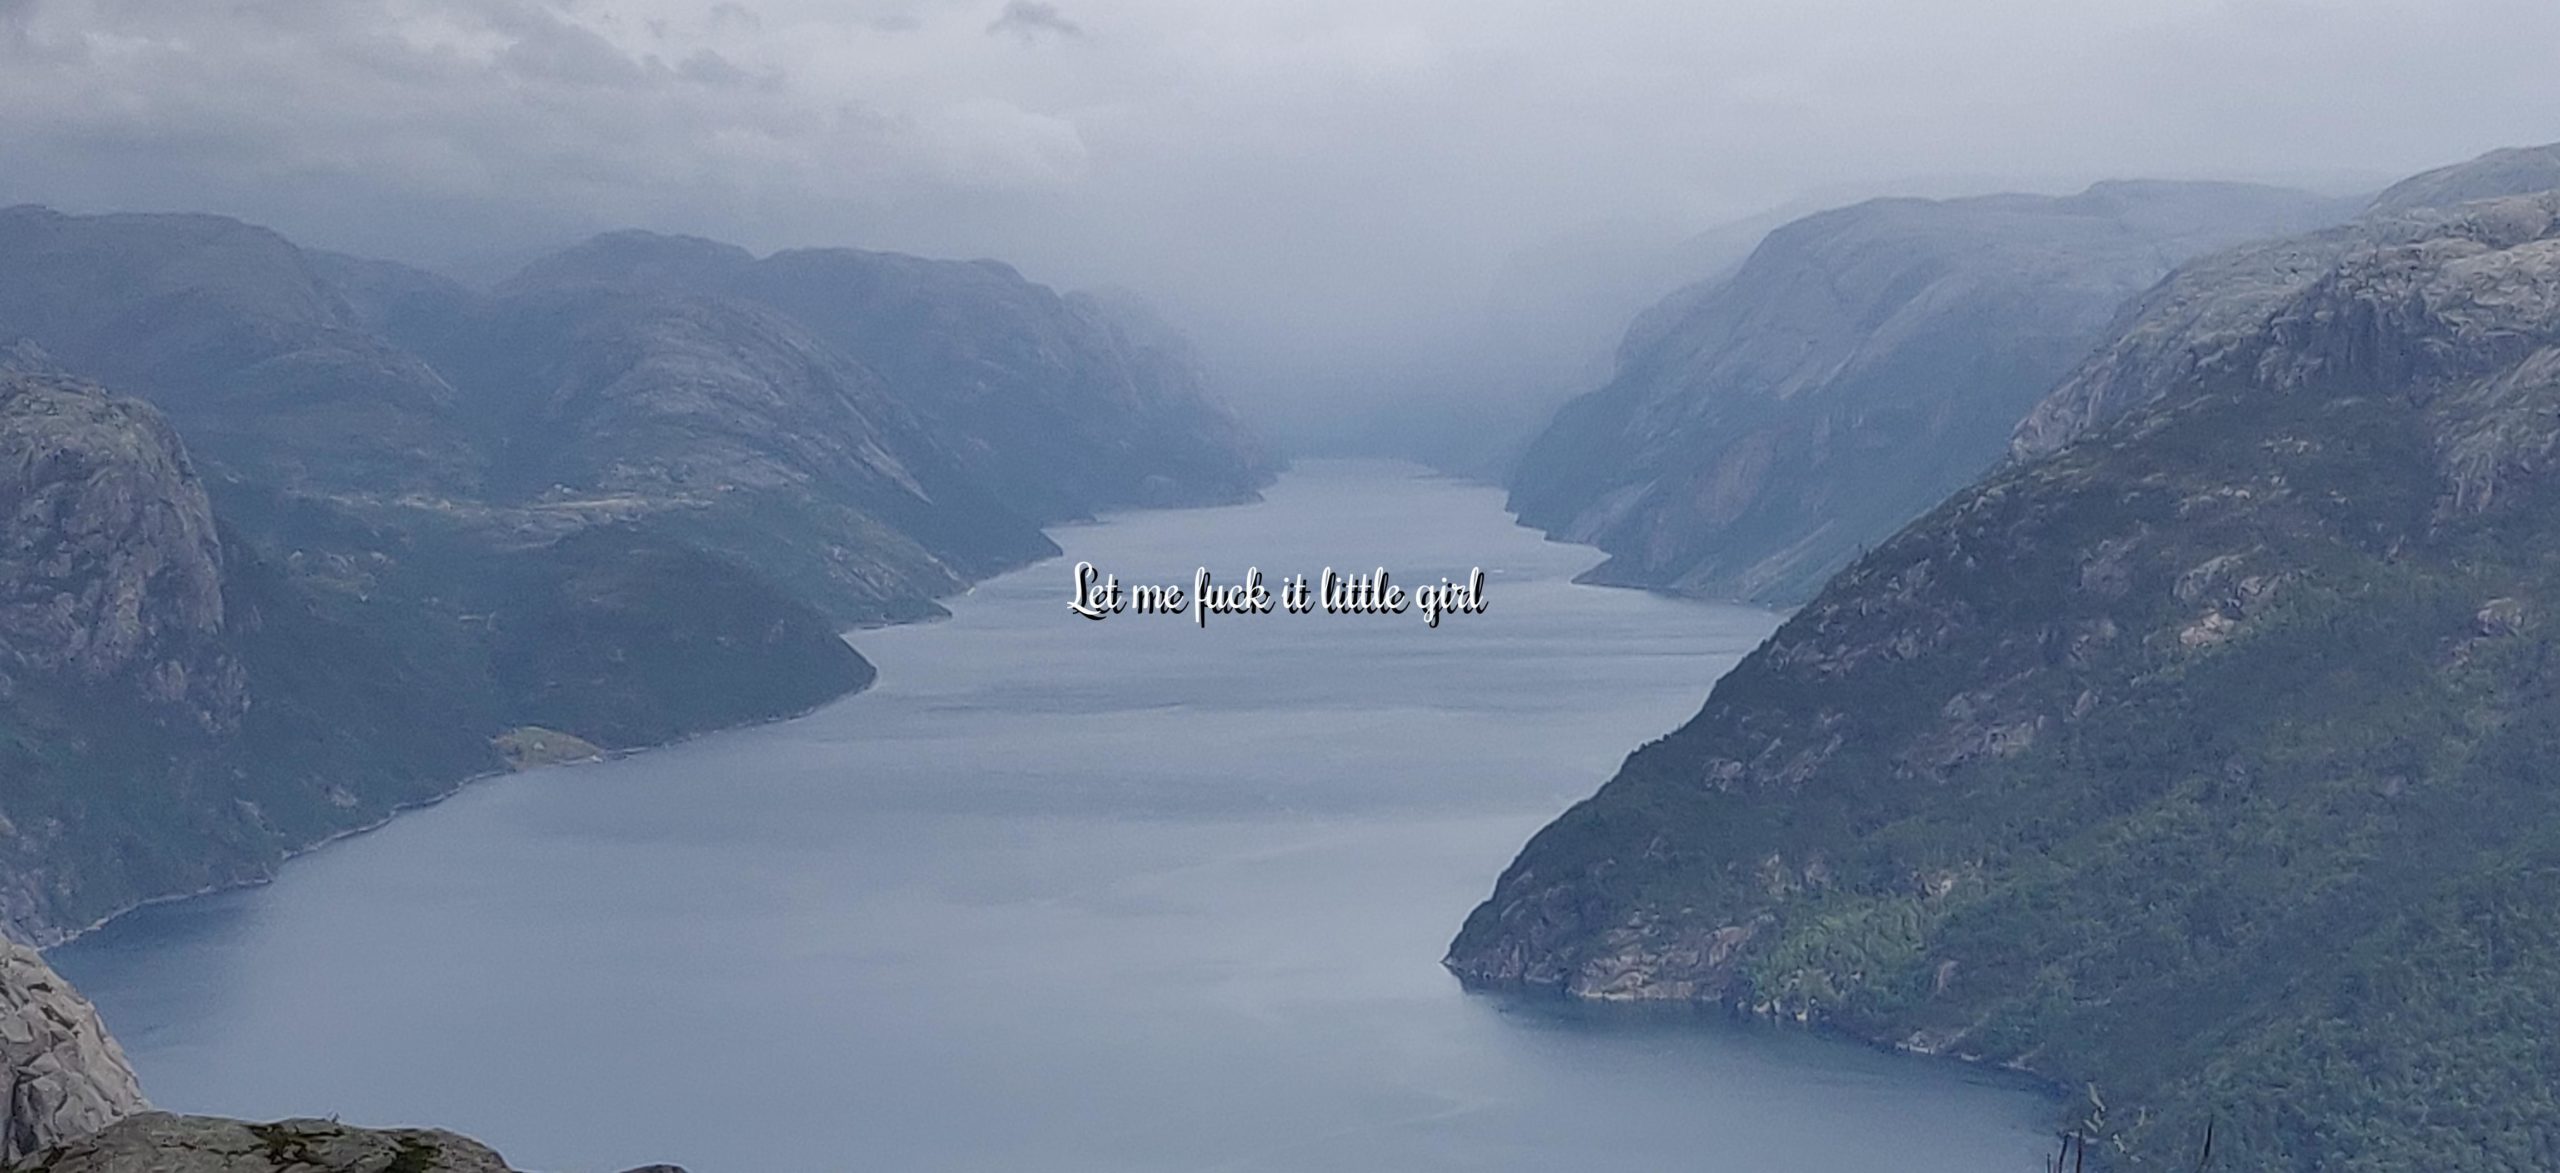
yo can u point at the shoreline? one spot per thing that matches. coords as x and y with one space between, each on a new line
267 873
1551 999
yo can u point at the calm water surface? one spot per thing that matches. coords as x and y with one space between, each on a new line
1056 894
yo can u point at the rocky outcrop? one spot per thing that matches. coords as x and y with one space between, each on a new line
2199 323
2201 761
73 1107
1863 363
626 501
111 572
161 1142
67 1078
202 674
121 677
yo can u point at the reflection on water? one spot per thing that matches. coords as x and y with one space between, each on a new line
1057 894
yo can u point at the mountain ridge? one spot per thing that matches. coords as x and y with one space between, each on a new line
2197 764
1861 364
373 532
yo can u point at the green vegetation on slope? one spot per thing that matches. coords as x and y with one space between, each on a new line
2209 762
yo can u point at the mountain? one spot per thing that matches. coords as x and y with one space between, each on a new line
230 330
66 1077
2201 317
726 426
181 705
1765 427
2506 172
1070 403
116 644
2202 765
362 533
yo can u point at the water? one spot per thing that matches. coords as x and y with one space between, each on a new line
1055 895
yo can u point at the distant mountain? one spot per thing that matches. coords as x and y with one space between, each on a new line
2511 171
116 653
375 532
230 329
727 426
181 704
2204 316
2203 765
1765 427
1069 404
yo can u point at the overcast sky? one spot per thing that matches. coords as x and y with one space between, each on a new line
1324 190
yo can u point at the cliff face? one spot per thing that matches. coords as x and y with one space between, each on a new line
2205 760
435 530
1863 363
67 1078
2200 322
1063 405
186 698
110 571
116 648
229 329
728 426
72 1106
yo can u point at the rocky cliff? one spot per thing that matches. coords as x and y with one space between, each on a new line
416 533
2202 319
727 426
67 1078
230 330
111 578
117 652
2203 764
185 697
72 1106
1764 428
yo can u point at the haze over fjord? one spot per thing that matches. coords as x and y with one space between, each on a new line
1364 211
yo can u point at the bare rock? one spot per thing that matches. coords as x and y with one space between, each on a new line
160 1142
110 571
66 1077
2215 318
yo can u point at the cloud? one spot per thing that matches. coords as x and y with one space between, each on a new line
1032 19
569 113
1330 192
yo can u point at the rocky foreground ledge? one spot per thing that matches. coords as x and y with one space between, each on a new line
160 1142
73 1106
66 1077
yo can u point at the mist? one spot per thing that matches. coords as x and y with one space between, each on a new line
1391 224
